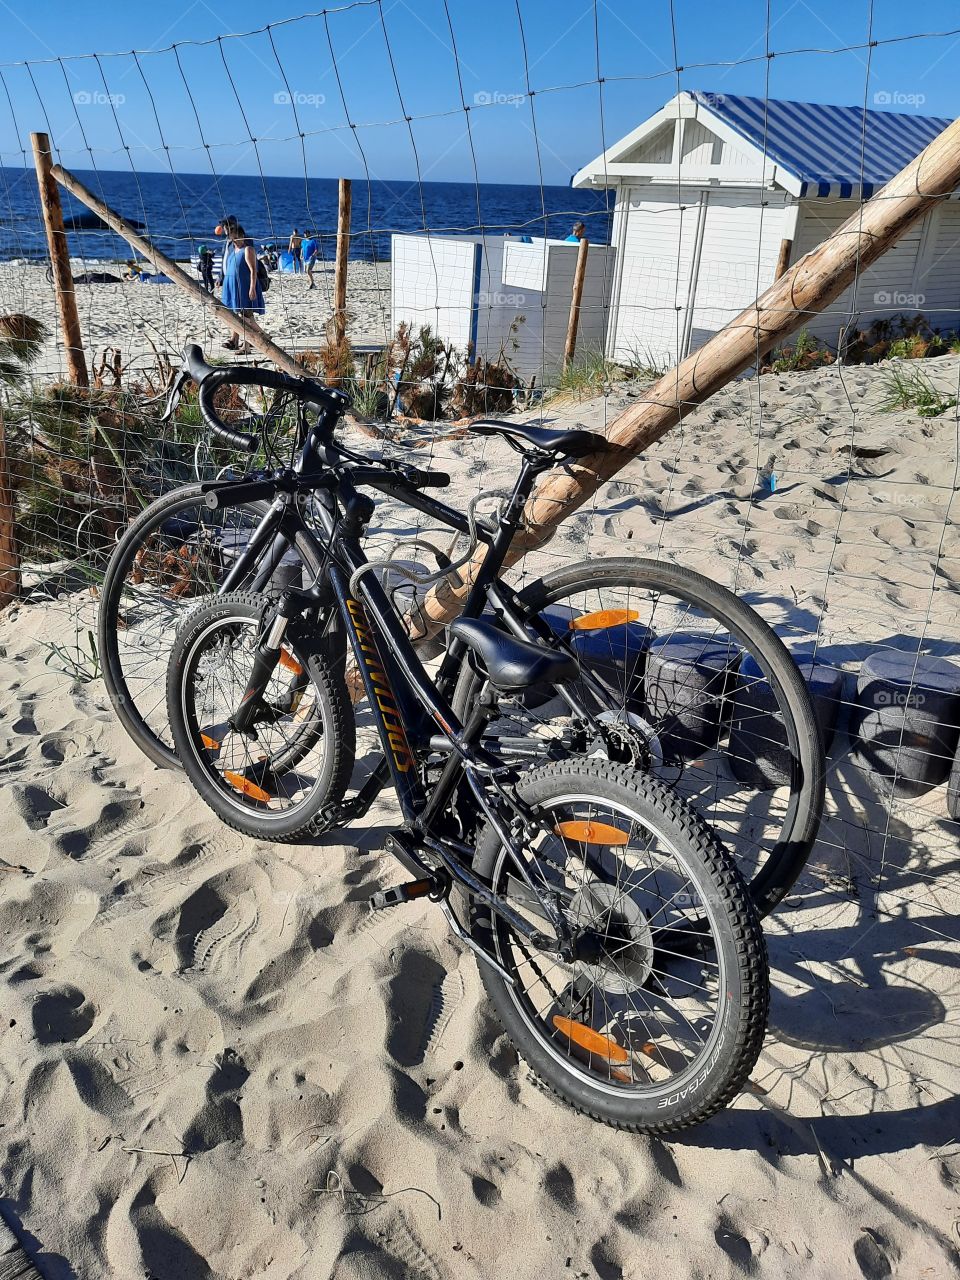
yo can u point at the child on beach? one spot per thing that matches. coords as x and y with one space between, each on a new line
311 256
241 288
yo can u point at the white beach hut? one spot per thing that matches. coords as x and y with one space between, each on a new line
717 194
474 289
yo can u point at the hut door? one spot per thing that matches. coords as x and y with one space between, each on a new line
660 232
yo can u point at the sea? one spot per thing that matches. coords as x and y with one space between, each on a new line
179 212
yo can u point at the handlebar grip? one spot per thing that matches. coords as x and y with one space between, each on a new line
227 435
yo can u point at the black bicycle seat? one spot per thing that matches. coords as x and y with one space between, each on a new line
510 663
571 442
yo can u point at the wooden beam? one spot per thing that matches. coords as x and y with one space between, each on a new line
59 260
247 329
343 253
783 259
811 284
579 275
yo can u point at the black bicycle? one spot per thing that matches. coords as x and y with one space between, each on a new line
676 676
615 936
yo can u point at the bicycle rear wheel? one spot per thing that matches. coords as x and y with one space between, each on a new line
659 1019
691 686
174 554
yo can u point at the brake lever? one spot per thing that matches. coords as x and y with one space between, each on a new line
173 399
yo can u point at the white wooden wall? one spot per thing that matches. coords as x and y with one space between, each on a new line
462 285
689 261
433 281
920 273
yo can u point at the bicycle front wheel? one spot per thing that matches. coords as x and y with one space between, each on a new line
659 1018
274 780
684 681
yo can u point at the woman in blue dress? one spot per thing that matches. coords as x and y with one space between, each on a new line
241 288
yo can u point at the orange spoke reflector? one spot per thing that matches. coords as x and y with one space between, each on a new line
593 1041
246 787
592 832
289 661
603 618
210 743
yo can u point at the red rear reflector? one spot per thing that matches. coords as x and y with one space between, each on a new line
246 787
289 661
603 618
594 1042
592 833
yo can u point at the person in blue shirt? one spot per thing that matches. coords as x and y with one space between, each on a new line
311 256
577 234
241 288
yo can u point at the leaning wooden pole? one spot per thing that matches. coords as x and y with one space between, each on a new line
811 284
246 329
573 323
59 260
343 253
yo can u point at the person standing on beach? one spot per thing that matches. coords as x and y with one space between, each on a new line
311 256
577 234
241 288
205 266
294 247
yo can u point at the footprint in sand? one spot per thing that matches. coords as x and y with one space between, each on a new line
874 1255
62 1015
411 1003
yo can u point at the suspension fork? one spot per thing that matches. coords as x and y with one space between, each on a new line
265 659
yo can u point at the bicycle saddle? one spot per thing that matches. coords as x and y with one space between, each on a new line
510 663
571 442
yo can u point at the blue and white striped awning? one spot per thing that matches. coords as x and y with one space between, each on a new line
831 150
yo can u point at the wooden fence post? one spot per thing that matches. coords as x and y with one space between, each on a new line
59 260
811 284
9 557
340 272
573 323
247 329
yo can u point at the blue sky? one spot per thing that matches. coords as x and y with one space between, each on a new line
395 59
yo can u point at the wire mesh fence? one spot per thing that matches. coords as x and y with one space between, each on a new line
820 486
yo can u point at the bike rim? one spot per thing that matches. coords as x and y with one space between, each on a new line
641 1023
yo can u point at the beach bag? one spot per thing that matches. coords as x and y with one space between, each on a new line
263 275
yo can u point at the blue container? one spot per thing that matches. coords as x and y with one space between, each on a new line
690 679
757 751
615 655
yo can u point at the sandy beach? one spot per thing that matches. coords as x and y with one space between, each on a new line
139 318
215 1063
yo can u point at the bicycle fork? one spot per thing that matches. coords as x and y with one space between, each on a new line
266 657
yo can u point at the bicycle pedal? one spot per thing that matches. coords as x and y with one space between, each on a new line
399 893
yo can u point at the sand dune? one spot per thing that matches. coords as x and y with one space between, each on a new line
215 1063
